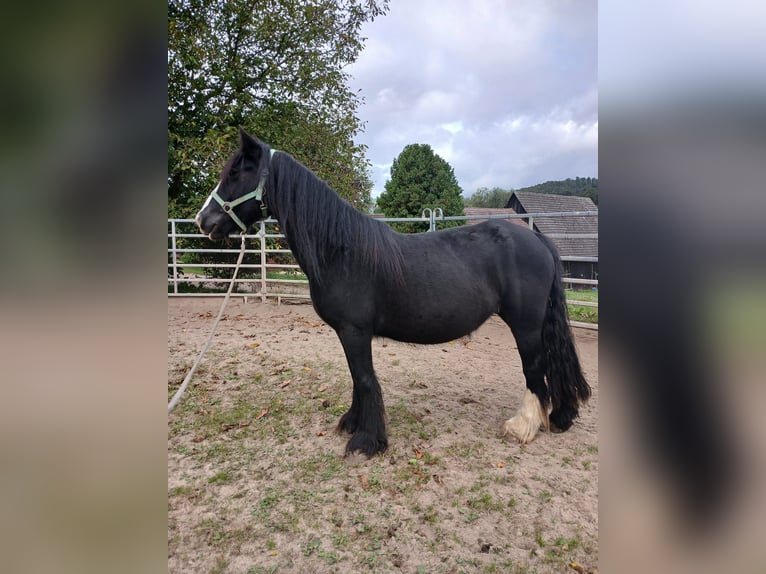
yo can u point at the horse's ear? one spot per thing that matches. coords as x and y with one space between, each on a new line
248 143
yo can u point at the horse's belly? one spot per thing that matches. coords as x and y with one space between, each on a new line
424 327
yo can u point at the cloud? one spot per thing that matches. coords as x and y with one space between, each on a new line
505 92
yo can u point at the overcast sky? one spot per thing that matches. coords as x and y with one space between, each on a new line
504 90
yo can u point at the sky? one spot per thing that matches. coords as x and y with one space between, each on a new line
504 90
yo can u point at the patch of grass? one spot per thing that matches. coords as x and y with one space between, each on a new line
430 515
360 524
540 540
559 552
340 541
566 543
469 515
220 566
186 287
583 313
262 510
293 275
223 477
407 424
484 502
464 450
319 467
216 533
506 566
310 547
473 563
184 490
431 459
218 452
375 480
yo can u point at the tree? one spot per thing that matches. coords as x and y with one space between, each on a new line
485 197
276 68
420 179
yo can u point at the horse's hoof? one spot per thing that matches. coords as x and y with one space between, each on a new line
523 430
366 444
562 420
523 426
354 458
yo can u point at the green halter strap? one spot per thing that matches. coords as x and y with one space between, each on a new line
257 193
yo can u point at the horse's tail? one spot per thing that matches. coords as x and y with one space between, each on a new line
566 383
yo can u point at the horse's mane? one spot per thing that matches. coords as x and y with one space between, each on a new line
323 228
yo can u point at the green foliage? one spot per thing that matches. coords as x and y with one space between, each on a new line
420 179
485 197
275 68
498 197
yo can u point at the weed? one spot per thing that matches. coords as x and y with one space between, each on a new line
222 477
559 551
184 490
308 548
484 502
322 467
263 511
430 515
340 541
408 423
469 516
220 566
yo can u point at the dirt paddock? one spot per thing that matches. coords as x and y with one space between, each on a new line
257 481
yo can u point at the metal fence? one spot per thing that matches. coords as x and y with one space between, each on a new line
276 274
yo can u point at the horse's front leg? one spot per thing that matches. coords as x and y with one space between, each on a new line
365 418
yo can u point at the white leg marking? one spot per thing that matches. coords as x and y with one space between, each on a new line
527 420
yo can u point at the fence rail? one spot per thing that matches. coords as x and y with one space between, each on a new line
275 274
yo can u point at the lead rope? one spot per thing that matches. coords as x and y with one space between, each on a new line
179 393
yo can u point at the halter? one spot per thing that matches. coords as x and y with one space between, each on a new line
257 193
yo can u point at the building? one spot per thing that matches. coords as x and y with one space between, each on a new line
569 247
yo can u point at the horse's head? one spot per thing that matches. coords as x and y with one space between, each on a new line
237 201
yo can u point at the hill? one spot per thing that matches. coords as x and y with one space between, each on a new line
582 186
498 197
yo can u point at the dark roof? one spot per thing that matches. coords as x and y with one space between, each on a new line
530 202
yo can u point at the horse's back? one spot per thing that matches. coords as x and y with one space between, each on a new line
486 247
455 279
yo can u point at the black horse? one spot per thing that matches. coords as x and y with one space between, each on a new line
368 281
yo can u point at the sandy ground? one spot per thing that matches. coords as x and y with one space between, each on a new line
257 481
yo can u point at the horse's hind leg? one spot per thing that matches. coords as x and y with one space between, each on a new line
533 411
365 418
